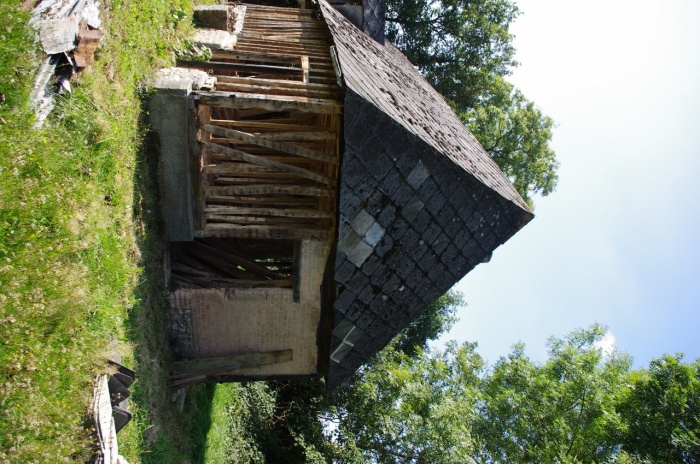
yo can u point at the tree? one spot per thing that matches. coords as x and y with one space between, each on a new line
560 412
445 406
464 49
516 134
458 45
436 320
660 410
411 409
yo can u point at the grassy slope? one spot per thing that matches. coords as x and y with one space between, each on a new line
77 231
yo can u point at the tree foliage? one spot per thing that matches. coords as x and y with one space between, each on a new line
660 410
464 49
447 406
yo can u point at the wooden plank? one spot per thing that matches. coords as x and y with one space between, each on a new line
242 156
305 68
236 362
268 125
281 201
302 92
269 189
276 83
274 144
239 67
254 56
281 212
269 102
233 168
304 136
307 223
261 231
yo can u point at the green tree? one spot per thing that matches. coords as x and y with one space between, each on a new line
411 409
562 411
660 410
516 134
464 49
459 45
436 320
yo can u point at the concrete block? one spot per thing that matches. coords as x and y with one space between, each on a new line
418 175
362 222
214 39
360 253
374 234
412 208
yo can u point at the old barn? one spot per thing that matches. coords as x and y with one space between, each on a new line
317 193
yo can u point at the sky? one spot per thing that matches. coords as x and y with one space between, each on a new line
617 242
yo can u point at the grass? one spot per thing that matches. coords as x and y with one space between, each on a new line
80 260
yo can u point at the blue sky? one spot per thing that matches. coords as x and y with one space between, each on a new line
617 243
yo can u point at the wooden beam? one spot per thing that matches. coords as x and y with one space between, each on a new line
181 370
268 143
280 212
275 83
269 102
276 200
268 189
261 89
254 68
242 156
261 231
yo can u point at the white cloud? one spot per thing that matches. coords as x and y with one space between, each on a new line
606 344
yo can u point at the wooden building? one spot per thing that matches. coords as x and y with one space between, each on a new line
318 195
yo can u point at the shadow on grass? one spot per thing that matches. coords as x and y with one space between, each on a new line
167 435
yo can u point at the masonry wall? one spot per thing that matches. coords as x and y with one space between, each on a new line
233 321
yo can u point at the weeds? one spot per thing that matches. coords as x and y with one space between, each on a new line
75 239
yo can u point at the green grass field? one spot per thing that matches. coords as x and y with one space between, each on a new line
80 260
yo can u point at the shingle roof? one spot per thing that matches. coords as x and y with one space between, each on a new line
421 202
384 76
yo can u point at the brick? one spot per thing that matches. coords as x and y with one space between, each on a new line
348 242
350 207
454 227
366 188
427 261
353 172
410 240
374 234
380 166
410 211
385 245
367 294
